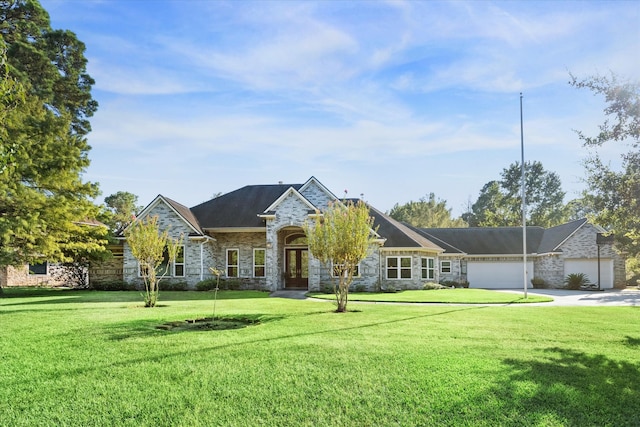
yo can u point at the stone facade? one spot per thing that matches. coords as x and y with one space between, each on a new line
195 251
285 219
579 246
458 271
21 276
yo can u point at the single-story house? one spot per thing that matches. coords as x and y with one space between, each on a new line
255 235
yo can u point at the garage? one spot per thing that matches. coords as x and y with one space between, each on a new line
497 274
589 266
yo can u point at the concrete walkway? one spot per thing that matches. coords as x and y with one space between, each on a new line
561 297
609 297
289 294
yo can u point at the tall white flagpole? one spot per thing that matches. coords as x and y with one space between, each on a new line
524 209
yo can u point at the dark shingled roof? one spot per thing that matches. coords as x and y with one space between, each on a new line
241 207
554 236
500 240
399 235
487 241
184 211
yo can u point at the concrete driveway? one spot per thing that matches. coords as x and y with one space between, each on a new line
609 297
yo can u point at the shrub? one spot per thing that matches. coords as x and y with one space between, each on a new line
361 288
455 284
112 285
389 287
230 284
327 289
174 286
431 286
538 283
574 281
206 285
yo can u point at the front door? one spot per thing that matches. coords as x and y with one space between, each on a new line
296 268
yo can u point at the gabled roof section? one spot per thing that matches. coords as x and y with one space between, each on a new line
240 208
555 237
398 235
486 241
313 180
182 211
290 192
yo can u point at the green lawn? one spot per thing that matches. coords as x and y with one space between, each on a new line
97 359
456 296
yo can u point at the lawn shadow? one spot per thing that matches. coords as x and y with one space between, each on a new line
39 296
140 329
571 388
632 342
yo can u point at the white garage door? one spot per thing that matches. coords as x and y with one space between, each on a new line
497 275
590 268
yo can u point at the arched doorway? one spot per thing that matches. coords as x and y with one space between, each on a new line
296 261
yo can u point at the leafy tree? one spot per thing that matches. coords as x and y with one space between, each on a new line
44 152
426 213
615 194
153 249
578 209
122 207
341 237
491 209
500 202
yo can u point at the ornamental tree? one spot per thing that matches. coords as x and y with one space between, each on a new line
155 252
341 237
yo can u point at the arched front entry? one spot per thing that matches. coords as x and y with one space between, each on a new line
296 260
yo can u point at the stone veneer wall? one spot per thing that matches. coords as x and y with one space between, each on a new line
416 281
369 273
456 274
550 268
318 197
582 245
20 276
245 243
291 212
168 219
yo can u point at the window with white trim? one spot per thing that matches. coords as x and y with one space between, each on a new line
428 268
445 266
259 262
174 269
398 267
233 262
178 264
335 270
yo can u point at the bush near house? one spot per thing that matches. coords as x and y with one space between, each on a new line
225 284
574 281
431 286
112 285
174 286
538 283
455 283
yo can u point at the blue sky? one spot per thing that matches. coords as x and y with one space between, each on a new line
392 100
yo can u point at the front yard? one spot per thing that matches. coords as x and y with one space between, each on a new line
98 358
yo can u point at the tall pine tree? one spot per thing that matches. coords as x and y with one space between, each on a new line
44 203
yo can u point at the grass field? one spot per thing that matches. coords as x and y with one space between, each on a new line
97 359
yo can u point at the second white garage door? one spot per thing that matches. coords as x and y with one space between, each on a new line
590 268
497 275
